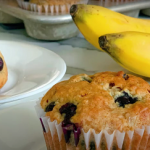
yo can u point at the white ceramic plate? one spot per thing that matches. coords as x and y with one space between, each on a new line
31 69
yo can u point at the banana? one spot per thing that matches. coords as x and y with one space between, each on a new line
130 49
94 21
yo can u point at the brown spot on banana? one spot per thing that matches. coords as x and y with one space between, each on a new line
126 19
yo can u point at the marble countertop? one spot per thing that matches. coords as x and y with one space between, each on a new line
80 56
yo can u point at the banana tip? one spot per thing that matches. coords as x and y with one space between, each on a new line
73 10
102 42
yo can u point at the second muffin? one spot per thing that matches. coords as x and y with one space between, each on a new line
49 6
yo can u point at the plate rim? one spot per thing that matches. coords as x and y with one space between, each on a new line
42 87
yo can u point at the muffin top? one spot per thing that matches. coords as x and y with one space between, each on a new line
103 101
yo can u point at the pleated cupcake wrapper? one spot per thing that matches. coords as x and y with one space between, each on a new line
138 139
109 3
58 9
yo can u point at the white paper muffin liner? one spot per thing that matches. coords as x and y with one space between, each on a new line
138 139
109 3
58 9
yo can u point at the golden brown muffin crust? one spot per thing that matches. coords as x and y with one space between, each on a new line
98 103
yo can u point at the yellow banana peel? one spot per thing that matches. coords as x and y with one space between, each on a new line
130 49
94 21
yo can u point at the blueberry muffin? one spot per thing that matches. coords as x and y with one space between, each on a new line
107 101
3 71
